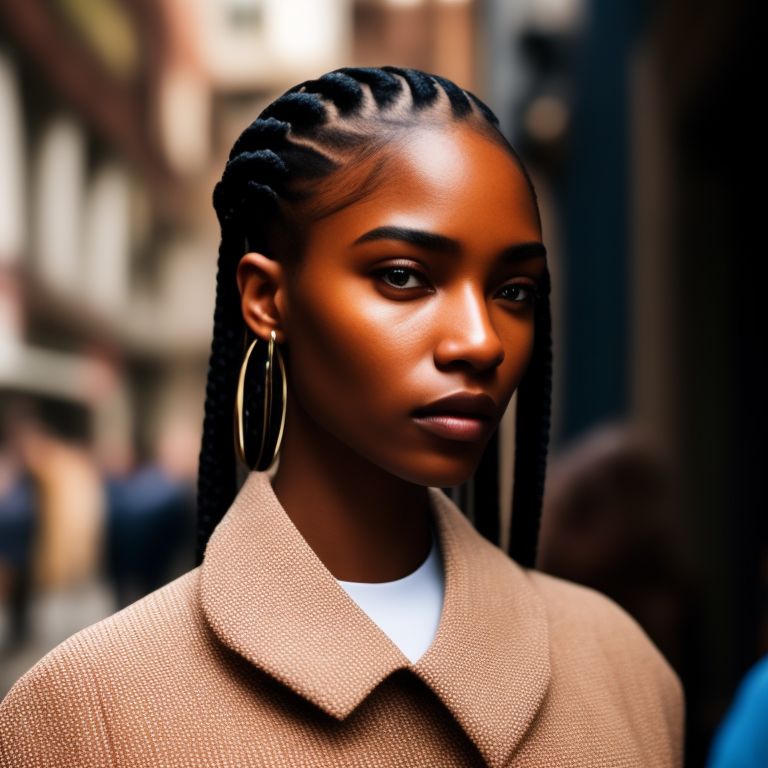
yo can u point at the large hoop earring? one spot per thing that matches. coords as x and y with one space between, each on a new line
271 408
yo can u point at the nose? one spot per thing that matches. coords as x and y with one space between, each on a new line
466 333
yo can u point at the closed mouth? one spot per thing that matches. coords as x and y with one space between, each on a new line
460 405
459 427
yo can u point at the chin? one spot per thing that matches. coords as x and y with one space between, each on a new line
438 471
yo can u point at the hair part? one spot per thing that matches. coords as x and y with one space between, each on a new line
285 172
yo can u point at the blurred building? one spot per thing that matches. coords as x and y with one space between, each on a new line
115 118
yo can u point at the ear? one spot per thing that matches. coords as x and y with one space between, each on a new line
261 282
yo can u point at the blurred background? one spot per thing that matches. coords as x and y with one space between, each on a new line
635 120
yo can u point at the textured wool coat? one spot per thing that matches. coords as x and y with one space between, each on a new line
258 657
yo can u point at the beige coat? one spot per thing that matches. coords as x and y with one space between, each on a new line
259 658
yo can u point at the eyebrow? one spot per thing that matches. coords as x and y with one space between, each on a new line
431 241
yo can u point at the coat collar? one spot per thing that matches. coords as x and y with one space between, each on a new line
267 596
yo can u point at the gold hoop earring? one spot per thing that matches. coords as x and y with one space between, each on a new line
269 444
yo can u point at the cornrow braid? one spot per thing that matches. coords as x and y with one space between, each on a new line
384 87
343 89
279 178
421 84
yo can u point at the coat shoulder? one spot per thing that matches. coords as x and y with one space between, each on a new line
590 632
580 612
149 623
573 603
50 716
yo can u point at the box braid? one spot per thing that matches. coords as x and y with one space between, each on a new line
281 175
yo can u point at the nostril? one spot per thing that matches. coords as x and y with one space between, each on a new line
481 355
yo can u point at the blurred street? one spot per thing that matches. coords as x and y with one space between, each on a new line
54 616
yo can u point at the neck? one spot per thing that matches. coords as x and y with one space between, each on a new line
363 523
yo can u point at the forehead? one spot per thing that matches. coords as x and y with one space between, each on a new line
448 180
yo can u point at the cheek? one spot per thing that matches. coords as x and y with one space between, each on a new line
518 339
525 346
351 352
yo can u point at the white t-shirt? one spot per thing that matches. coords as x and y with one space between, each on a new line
408 609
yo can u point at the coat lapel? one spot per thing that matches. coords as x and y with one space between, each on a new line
489 663
267 596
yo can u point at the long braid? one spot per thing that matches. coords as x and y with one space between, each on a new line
216 484
532 422
216 473
268 195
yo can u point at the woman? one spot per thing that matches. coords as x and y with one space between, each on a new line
381 249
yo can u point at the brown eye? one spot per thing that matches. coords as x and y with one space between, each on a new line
513 292
401 277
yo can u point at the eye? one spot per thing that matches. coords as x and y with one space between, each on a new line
512 292
401 278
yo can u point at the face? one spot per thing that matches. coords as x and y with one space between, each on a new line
421 291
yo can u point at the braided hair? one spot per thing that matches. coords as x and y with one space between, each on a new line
280 177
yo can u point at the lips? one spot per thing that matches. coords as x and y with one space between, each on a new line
467 404
461 416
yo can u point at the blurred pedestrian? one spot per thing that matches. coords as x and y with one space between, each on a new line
741 741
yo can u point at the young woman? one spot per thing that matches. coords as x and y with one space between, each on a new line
382 292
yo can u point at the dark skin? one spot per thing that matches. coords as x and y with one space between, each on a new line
376 329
